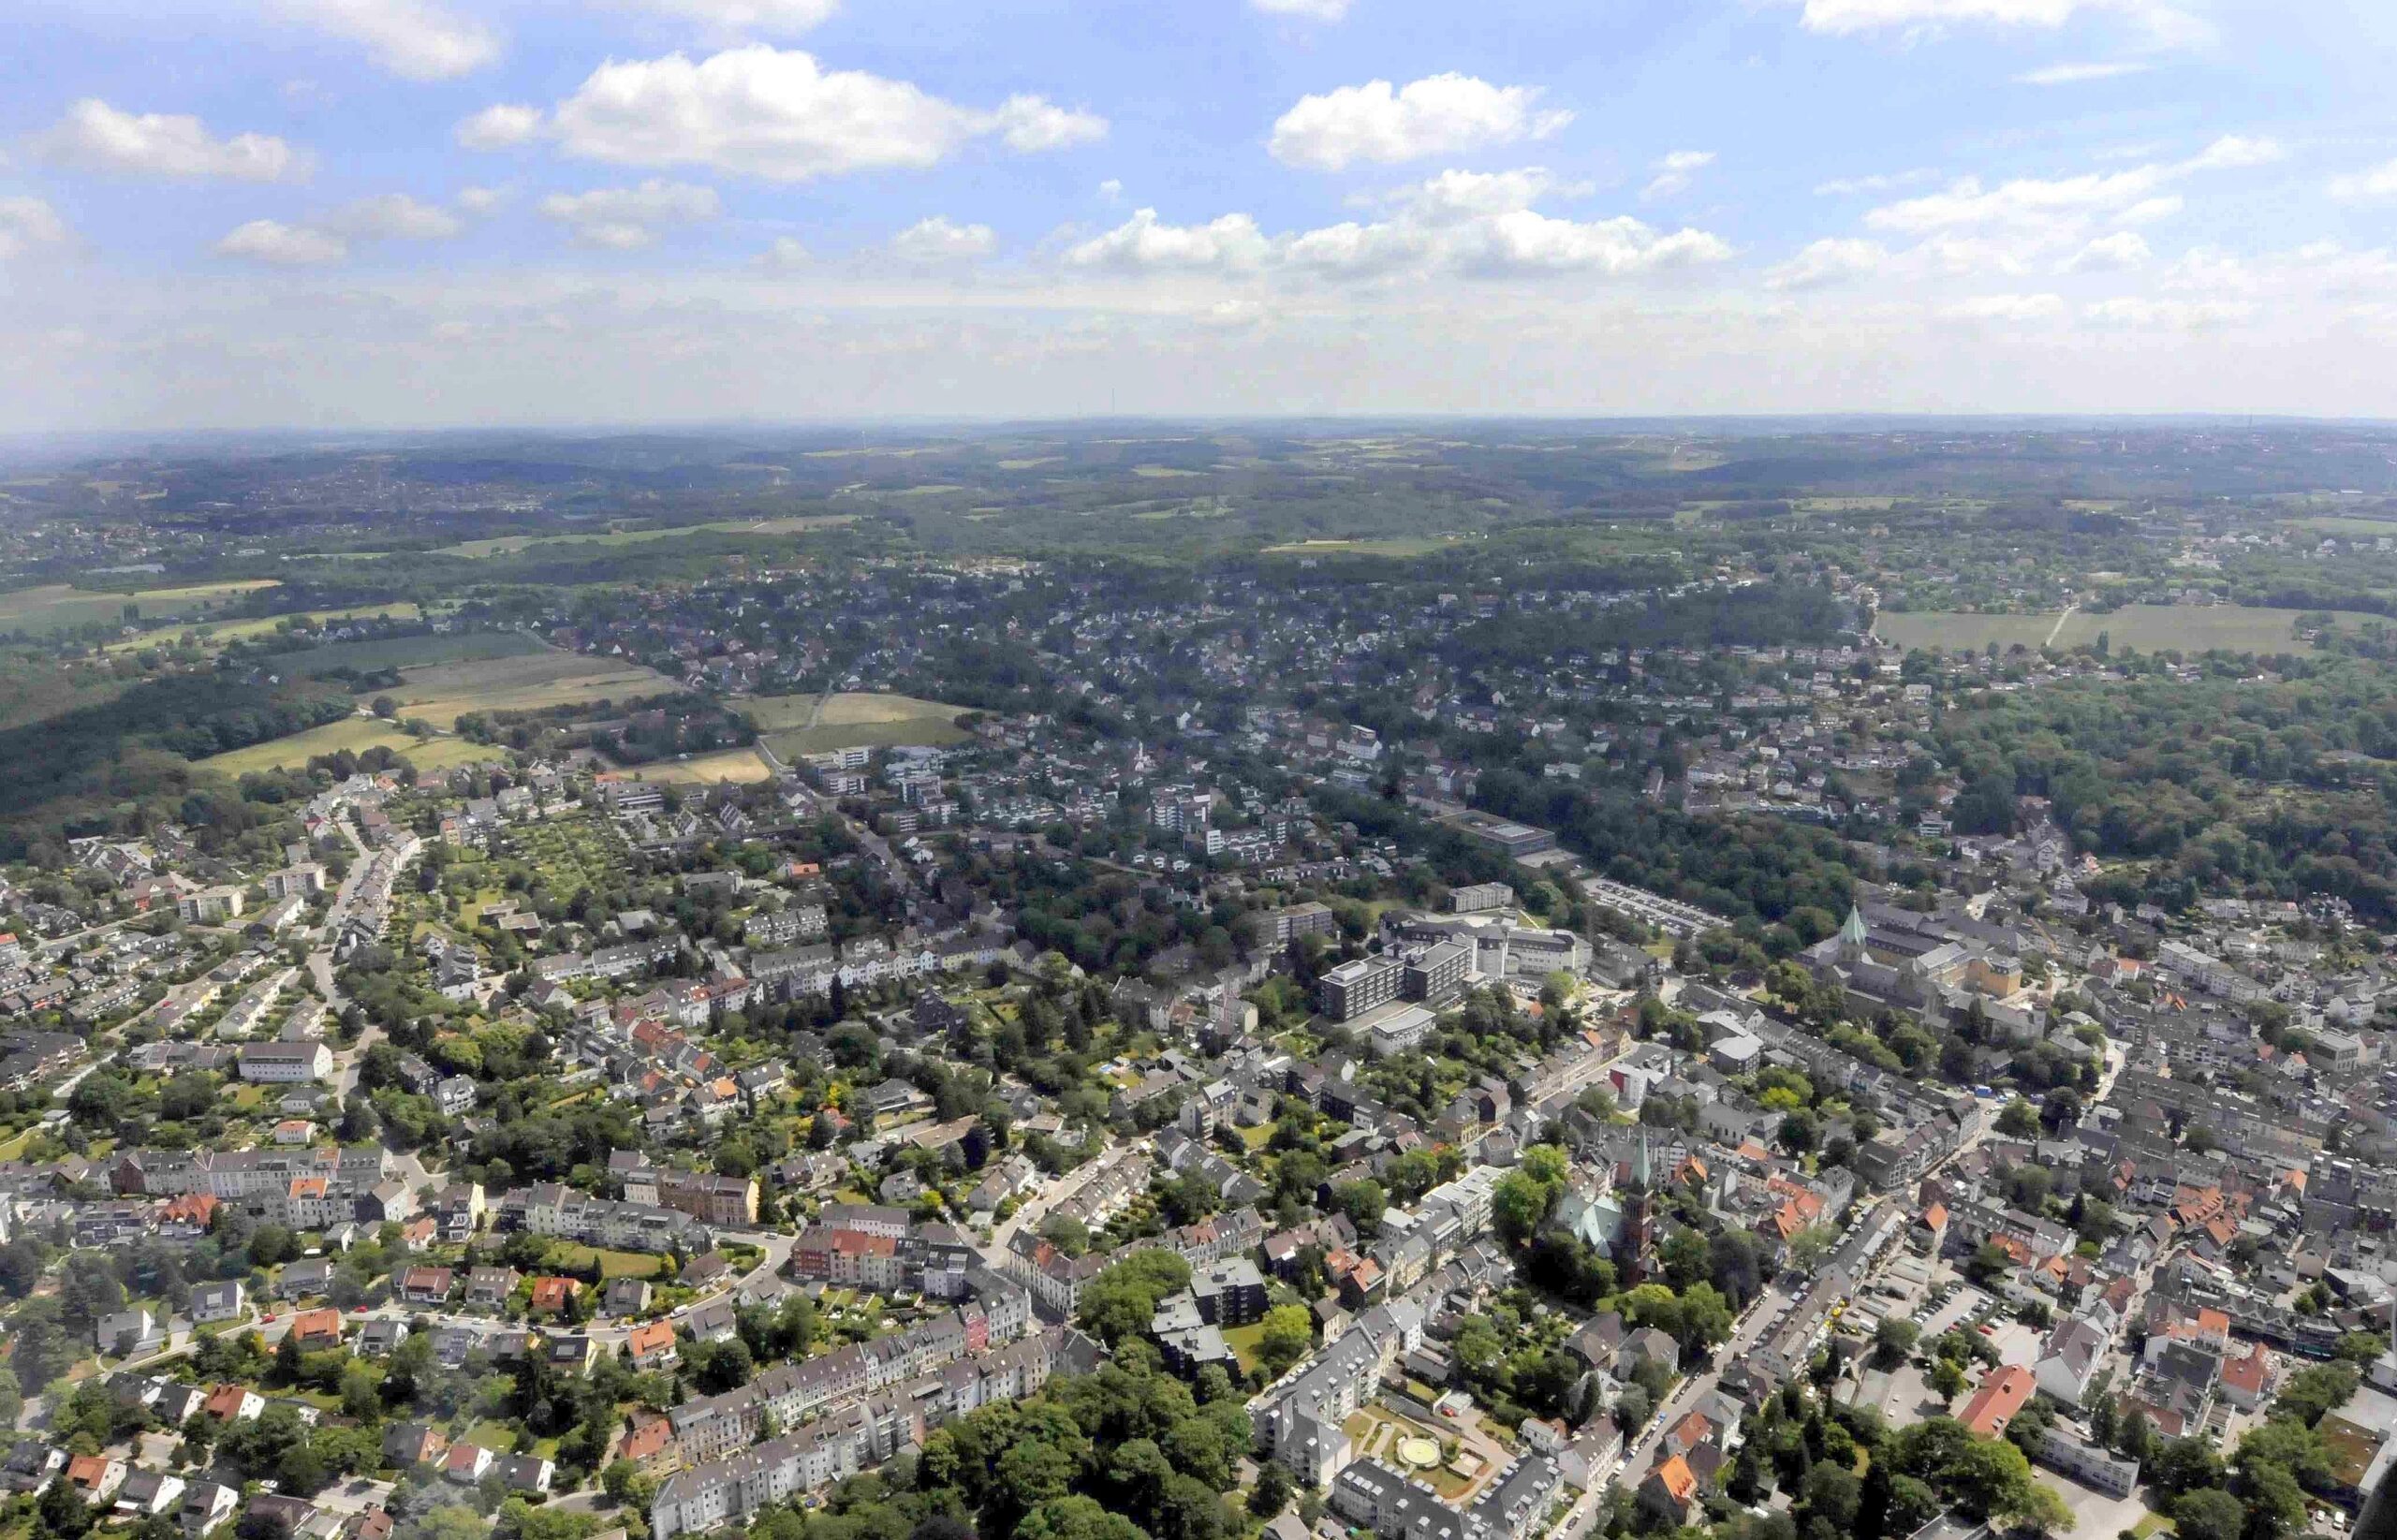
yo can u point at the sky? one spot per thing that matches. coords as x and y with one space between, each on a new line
362 213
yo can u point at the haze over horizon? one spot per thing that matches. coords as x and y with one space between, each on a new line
348 214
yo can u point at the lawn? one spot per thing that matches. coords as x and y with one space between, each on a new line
706 769
218 633
56 605
508 544
805 724
356 734
442 693
410 652
1243 1340
1396 545
2148 627
498 1437
611 1264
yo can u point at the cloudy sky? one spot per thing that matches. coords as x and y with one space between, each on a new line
360 213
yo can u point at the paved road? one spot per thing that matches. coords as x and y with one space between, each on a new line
1033 1209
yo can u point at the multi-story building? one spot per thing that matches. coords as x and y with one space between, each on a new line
1352 988
285 1063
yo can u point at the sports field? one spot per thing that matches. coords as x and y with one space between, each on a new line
56 605
2148 627
508 544
356 734
1396 545
443 692
706 769
797 724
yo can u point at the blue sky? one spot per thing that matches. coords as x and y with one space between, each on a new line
363 212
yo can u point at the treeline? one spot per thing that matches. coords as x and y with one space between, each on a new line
1760 615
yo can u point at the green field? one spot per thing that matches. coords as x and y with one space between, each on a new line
611 1264
441 693
801 725
217 633
409 651
1396 545
357 734
2148 627
57 605
508 544
706 769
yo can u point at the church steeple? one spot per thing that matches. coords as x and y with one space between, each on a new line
1852 934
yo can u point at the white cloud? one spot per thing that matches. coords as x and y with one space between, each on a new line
940 239
2167 315
499 128
1111 190
1030 124
2081 73
2027 200
1311 10
1826 262
481 200
2164 24
1459 194
788 254
2368 185
410 39
1143 243
623 218
1675 172
775 114
393 216
1441 114
95 137
2233 153
1884 183
26 222
778 18
2006 307
1526 241
278 245
2110 254
2147 211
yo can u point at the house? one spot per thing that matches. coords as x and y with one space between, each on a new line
230 1403
2074 1352
380 1339
426 1286
467 1463
571 1353
312 1275
205 1505
406 1444
554 1293
130 1333
95 1477
624 1296
2003 1392
313 1328
489 1287
208 1302
1671 1493
651 1345
146 1492
526 1473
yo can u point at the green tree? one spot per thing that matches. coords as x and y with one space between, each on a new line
1285 1336
2209 1513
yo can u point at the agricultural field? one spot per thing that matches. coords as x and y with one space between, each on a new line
1396 545
357 734
219 633
441 693
706 769
410 652
57 605
800 725
508 544
2147 627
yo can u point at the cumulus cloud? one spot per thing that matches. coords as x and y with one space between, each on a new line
2081 73
788 254
777 113
1460 223
623 218
1675 172
278 245
2167 315
499 128
394 217
1884 183
2370 184
2110 253
2061 207
1827 262
1440 114
410 39
777 18
1311 10
2162 22
2234 153
480 200
1145 244
95 137
26 222
2006 307
940 239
